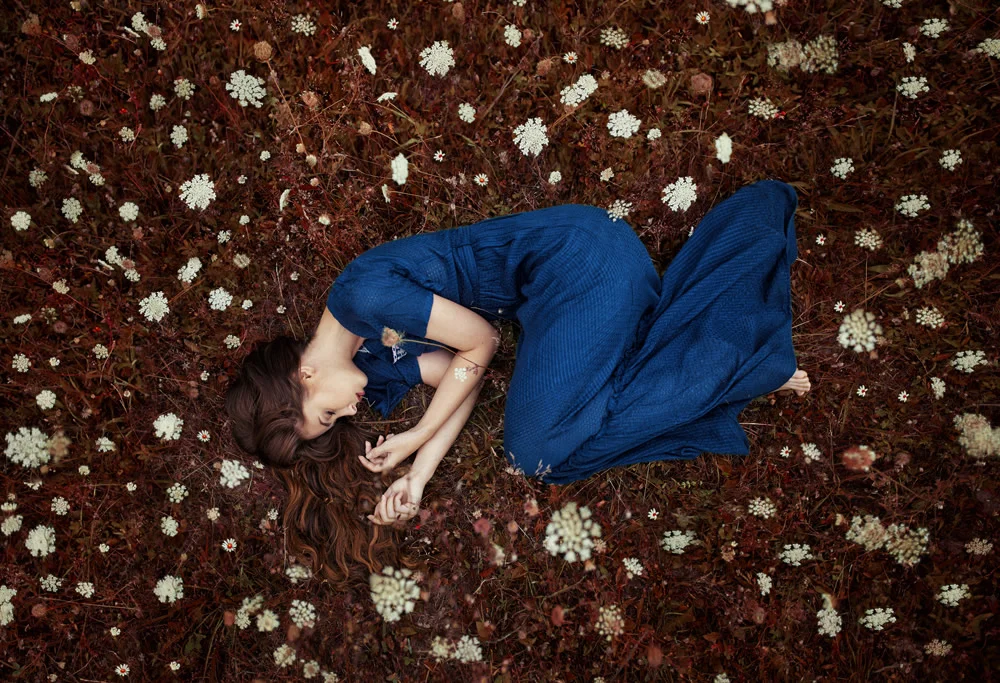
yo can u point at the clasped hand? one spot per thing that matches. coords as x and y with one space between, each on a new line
401 500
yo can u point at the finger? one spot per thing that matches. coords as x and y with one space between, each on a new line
367 464
390 507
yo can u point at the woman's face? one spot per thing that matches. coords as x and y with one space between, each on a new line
329 393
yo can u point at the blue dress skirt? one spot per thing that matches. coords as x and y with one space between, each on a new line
614 365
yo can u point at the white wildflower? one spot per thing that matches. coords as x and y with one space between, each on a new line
393 592
438 58
530 137
675 541
246 89
680 194
233 473
621 124
198 192
571 531
858 330
169 588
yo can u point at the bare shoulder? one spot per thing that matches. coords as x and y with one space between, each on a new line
433 365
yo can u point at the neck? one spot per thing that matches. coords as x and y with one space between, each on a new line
332 343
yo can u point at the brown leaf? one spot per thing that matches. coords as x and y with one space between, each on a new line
557 616
229 617
293 633
458 12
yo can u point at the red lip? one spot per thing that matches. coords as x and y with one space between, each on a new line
360 394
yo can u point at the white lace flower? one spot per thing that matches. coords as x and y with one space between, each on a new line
128 211
622 124
934 27
438 58
858 331
911 86
571 532
198 192
365 52
28 447
573 95
794 553
466 112
762 108
952 593
530 137
41 541
966 361
675 541
723 148
877 618
842 167
400 169
246 89
911 204
169 589
303 614
393 592
168 427
232 473
512 36
680 194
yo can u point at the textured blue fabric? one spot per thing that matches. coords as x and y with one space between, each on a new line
614 365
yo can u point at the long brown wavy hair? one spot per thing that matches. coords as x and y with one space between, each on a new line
329 492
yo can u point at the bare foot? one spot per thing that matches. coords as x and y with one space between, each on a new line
799 382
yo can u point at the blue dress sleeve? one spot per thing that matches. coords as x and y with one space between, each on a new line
382 298
391 373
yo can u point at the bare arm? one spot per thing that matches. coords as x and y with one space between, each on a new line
429 455
476 341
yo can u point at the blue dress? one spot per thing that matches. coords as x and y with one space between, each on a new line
614 365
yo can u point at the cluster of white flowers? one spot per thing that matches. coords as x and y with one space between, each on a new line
245 88
963 245
966 361
128 211
168 525
610 621
938 387
764 583
989 47
571 532
438 58
183 88
41 541
28 447
868 238
219 299
978 546
178 136
867 531
168 427
950 158
820 54
51 583
676 541
169 589
72 209
858 331
842 166
298 572
400 169
247 609
930 317
302 23
393 592
365 52
302 613
905 544
978 437
762 108
6 606
950 594
126 134
762 507
37 177
877 618
911 86
937 648
20 220
554 177
829 621
573 95
85 588
680 194
909 52
621 124
934 27
232 473
530 137
466 112
177 492
752 6
60 505
198 192
633 567
613 36
723 148
284 656
511 35
619 209
654 78
46 399
911 204
154 307
467 649
794 553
